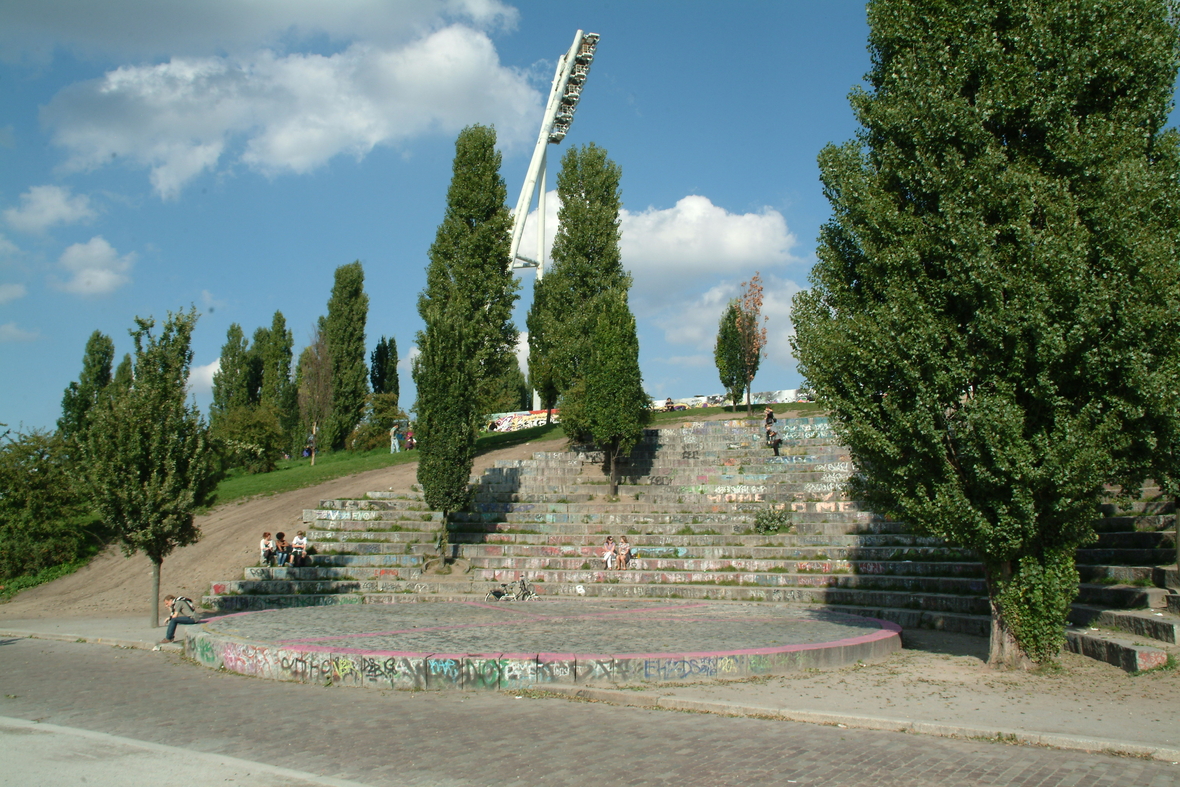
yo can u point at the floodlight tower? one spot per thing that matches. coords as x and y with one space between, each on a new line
568 82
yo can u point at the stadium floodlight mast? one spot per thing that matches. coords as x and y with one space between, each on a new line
568 82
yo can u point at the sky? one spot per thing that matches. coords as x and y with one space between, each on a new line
231 154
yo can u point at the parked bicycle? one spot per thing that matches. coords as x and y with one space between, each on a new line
512 591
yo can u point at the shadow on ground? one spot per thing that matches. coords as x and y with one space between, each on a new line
945 642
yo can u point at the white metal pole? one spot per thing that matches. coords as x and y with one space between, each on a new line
541 219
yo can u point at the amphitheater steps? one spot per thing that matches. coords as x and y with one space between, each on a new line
688 504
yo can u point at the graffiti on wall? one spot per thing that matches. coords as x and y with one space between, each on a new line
524 419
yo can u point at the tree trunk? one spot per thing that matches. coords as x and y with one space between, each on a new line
1004 652
749 408
156 593
614 472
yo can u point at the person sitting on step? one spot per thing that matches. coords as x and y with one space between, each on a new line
266 550
176 616
282 550
624 551
299 550
608 553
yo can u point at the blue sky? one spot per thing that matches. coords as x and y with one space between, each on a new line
230 154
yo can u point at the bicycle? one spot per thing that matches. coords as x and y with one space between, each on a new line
512 591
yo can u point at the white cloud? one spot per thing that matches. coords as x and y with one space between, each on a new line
10 292
405 363
9 332
7 248
200 378
522 352
41 207
289 113
678 249
693 321
149 28
96 267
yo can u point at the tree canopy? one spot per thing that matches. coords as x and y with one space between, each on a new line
728 355
81 396
148 462
993 321
344 334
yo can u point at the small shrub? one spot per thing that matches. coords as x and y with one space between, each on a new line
772 520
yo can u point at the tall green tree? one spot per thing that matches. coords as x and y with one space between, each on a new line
234 376
313 381
469 338
616 408
728 355
344 333
274 348
993 321
148 460
81 396
586 263
383 368
123 373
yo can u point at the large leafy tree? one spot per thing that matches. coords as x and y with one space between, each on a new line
344 333
727 353
586 263
147 459
751 331
615 407
81 396
313 382
994 315
469 338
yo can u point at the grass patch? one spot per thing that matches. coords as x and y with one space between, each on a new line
97 536
297 473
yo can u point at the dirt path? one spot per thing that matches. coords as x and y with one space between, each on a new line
113 585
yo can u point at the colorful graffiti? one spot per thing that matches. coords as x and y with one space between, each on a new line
523 419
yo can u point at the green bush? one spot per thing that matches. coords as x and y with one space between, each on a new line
772 520
249 437
39 505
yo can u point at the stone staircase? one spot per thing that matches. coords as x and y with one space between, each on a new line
687 503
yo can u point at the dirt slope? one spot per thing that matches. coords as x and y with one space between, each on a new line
114 585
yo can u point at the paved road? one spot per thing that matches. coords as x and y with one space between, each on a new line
462 740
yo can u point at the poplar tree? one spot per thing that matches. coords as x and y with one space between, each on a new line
586 263
993 322
277 390
148 461
469 338
383 368
727 353
80 397
231 381
616 408
344 334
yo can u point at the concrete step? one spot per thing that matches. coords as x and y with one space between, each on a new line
1116 575
1160 626
1123 653
1122 596
396 516
646 563
651 547
1142 523
1126 557
900 546
315 573
917 585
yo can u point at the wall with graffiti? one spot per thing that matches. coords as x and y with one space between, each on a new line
524 419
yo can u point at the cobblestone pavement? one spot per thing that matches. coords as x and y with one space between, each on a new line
467 739
584 627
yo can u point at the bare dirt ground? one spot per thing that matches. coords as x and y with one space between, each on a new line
113 585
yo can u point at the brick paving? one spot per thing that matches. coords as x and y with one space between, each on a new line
612 627
467 739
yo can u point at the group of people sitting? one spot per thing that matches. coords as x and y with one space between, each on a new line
616 556
282 553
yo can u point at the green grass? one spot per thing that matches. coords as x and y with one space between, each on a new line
298 473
